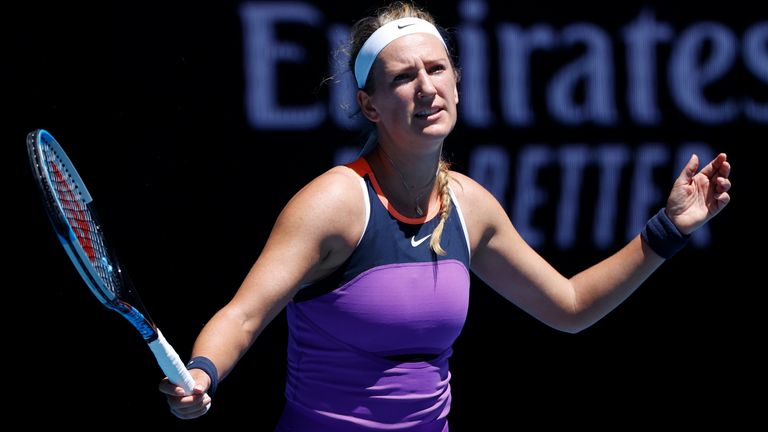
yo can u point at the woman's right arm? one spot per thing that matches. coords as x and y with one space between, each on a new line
314 234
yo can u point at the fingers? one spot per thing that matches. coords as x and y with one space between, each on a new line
690 169
723 199
189 407
716 166
182 405
170 388
725 169
722 184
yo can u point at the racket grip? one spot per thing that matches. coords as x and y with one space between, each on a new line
171 364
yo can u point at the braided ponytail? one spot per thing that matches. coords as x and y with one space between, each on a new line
445 207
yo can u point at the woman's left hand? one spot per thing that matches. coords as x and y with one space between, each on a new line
697 197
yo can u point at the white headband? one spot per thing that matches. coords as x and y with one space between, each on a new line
383 36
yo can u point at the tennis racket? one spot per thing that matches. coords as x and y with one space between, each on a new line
70 209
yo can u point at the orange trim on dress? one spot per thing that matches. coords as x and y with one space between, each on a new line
362 167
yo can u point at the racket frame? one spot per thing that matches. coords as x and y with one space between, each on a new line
167 358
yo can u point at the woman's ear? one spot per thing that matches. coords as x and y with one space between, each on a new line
366 106
456 86
456 93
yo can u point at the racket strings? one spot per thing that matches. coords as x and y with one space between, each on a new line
80 219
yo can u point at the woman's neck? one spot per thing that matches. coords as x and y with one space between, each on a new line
407 182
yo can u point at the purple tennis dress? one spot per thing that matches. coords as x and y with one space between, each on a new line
369 345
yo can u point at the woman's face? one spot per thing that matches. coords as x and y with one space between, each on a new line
415 93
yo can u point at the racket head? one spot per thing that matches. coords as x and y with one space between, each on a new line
70 208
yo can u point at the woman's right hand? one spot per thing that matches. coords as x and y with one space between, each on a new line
188 406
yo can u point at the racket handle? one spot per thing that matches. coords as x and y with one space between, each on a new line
171 364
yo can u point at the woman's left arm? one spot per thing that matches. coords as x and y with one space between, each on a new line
510 266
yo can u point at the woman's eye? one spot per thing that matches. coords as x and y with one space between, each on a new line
401 77
437 68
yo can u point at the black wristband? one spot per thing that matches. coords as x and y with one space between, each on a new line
662 236
206 365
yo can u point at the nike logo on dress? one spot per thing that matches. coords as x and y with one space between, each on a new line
399 26
415 242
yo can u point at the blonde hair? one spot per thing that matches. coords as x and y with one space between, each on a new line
443 177
361 31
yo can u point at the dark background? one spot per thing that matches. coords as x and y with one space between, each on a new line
147 99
